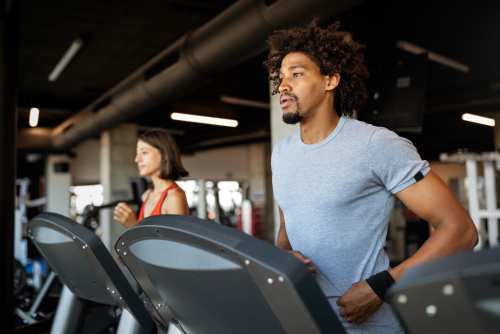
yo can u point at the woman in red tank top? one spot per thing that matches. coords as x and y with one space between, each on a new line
157 157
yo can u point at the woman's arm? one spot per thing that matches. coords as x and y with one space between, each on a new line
176 203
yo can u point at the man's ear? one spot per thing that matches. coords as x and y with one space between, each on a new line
332 81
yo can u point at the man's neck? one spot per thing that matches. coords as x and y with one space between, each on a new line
316 128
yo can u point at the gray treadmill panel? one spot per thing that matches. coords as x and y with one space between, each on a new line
457 294
49 236
210 278
175 255
75 263
193 283
84 265
203 301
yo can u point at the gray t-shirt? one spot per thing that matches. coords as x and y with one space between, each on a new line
336 196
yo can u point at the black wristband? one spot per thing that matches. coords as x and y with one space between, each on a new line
380 283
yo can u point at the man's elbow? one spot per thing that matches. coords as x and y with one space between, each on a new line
470 235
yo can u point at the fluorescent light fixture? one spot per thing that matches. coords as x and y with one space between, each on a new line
204 119
244 102
75 46
33 119
436 57
478 119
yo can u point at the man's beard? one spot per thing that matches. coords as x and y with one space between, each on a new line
292 117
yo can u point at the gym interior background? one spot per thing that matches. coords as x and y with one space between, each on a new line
69 129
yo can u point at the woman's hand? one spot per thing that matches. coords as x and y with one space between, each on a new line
125 215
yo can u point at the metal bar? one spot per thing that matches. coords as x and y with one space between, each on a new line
202 200
43 292
489 214
128 324
491 201
473 198
69 313
24 316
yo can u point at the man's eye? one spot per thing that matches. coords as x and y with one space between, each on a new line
296 75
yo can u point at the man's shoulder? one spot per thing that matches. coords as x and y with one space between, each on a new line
370 131
362 131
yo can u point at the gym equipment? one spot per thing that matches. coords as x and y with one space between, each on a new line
457 294
89 272
23 203
27 293
490 161
19 277
91 213
30 317
204 277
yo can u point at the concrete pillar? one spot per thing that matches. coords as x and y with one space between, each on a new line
118 147
8 126
259 182
257 171
58 181
279 130
85 165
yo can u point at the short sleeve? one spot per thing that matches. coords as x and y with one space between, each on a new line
394 161
274 156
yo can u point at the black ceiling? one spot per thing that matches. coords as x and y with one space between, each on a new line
120 36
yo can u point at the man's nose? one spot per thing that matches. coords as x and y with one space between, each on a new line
284 86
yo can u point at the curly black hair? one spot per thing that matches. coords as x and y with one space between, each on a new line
333 51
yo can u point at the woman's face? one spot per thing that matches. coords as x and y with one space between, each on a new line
148 159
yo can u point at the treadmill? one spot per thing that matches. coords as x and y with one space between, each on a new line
457 294
89 272
204 277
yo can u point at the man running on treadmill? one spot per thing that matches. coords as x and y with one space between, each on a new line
336 178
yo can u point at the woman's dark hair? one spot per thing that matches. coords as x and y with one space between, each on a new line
171 165
333 51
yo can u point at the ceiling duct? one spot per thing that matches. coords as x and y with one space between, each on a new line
237 34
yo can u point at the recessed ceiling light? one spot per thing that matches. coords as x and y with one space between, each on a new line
204 119
68 56
478 119
33 118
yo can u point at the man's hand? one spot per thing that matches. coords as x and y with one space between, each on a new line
305 260
124 215
359 303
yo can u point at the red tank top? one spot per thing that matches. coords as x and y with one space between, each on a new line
157 209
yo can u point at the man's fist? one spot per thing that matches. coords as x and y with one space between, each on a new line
359 303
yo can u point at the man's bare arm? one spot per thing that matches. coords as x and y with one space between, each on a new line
432 200
282 238
283 243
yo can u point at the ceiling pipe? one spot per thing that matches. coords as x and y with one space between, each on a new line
237 34
34 139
